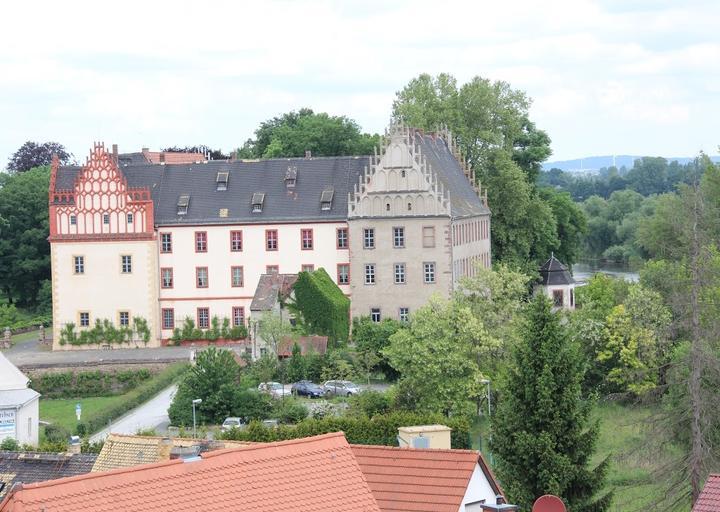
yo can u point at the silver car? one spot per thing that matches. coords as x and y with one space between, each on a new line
275 389
340 388
231 423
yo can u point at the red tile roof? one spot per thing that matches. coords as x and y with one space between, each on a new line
173 157
709 499
314 474
419 480
315 344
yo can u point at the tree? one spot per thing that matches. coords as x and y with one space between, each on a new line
24 249
437 357
213 379
293 133
571 224
215 154
542 437
296 365
272 329
33 154
372 337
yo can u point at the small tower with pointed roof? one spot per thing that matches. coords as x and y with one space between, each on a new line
557 284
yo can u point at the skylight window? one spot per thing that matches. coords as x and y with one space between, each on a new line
291 176
326 199
258 198
182 204
222 180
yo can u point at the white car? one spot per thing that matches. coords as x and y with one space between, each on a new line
275 389
231 423
340 388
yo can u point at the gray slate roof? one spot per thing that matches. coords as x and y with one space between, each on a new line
31 467
17 397
300 203
270 287
464 202
554 273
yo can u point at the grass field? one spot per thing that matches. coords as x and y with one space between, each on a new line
633 460
62 411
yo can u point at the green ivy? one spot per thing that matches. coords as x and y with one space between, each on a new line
104 331
324 308
219 329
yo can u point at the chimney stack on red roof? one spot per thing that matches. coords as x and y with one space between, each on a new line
308 153
162 157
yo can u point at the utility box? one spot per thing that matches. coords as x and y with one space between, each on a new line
424 436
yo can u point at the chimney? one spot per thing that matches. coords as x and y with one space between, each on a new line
75 445
424 436
115 153
308 153
162 157
165 448
145 150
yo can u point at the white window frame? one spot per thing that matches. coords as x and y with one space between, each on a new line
370 274
429 271
79 265
373 312
404 313
368 238
399 273
398 237
126 264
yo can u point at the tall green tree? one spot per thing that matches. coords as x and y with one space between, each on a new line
24 249
543 438
293 133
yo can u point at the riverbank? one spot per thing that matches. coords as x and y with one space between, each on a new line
583 272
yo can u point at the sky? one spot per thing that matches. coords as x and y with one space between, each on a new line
605 77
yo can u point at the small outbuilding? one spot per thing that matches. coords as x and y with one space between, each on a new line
19 405
557 283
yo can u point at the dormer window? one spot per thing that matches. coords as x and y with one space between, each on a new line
326 199
258 198
182 204
291 176
222 180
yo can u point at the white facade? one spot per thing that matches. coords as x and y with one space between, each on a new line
19 405
478 491
220 296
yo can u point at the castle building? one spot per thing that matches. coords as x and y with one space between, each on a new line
162 237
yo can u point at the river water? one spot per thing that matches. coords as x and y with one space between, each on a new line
584 271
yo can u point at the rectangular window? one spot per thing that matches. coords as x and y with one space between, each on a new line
398 237
369 238
237 277
124 318
428 236
236 241
558 298
342 238
272 269
343 273
130 218
79 264
375 314
166 277
73 220
429 272
370 273
168 318
271 240
201 277
106 218
238 316
307 268
404 314
203 318
399 273
165 242
84 319
200 241
126 264
306 237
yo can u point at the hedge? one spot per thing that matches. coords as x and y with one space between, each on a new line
379 430
91 383
323 306
138 396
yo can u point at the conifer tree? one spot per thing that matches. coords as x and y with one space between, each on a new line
543 438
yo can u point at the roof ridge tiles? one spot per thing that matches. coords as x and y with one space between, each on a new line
416 450
261 446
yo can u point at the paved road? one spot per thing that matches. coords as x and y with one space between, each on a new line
150 415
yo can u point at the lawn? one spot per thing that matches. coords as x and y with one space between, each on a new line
633 461
62 411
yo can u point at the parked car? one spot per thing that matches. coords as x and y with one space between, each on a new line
340 388
307 388
230 423
275 389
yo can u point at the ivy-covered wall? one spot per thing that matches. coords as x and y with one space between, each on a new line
323 306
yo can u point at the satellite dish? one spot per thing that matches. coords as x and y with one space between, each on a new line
548 503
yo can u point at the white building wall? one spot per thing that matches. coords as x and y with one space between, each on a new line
220 296
477 490
470 246
26 428
103 290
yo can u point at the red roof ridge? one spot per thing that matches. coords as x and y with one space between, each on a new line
422 450
261 446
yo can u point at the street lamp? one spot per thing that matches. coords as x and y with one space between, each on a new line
194 403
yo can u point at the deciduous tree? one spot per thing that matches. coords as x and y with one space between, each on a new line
33 154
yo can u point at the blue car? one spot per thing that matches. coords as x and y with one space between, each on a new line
306 388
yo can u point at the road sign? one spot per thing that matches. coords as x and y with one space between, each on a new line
78 410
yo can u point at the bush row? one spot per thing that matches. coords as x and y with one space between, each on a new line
104 331
91 383
138 396
381 429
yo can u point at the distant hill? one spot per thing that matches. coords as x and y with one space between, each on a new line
594 163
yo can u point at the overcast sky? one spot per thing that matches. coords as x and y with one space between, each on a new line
618 76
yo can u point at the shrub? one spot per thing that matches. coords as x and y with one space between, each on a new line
92 383
289 410
57 434
368 404
9 445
